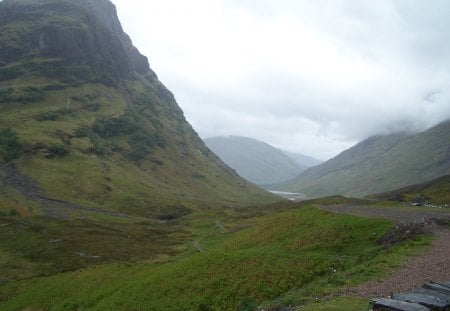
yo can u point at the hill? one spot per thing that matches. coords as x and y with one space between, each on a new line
84 119
254 160
436 191
379 164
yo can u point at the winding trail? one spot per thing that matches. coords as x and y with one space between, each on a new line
432 264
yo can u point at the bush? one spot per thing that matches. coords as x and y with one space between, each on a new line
6 95
58 150
10 73
123 125
53 115
10 213
47 116
31 94
10 146
82 132
248 304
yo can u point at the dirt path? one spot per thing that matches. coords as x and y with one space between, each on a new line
433 264
52 207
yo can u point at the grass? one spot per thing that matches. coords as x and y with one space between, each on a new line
338 304
436 191
75 155
288 257
40 246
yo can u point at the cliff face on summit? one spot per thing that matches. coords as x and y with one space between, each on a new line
85 32
95 125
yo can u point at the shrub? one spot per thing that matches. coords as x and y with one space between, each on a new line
58 150
82 132
10 146
47 116
10 73
31 94
11 213
248 304
6 95
106 127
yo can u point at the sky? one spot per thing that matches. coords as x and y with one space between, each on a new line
308 76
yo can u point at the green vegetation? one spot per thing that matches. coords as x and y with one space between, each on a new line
6 94
58 150
286 258
10 146
36 246
436 191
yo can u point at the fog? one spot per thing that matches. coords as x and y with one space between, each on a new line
313 77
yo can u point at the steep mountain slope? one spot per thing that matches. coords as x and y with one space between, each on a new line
90 121
303 160
254 160
379 164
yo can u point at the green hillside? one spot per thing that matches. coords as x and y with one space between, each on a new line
254 160
379 164
85 119
433 192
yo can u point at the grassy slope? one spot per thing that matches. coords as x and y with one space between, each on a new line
184 170
289 257
436 191
379 164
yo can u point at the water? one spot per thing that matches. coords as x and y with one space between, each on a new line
293 196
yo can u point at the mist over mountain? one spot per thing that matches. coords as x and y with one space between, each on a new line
379 164
85 119
254 160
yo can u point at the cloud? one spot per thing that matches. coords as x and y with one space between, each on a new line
308 76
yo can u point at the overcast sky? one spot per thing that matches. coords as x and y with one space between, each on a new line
312 76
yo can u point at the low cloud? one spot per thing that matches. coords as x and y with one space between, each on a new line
308 76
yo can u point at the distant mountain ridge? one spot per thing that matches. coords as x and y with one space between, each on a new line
255 160
302 159
379 164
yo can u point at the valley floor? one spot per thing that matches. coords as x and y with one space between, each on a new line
312 255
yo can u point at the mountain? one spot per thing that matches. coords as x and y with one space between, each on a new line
84 120
254 160
302 160
379 164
